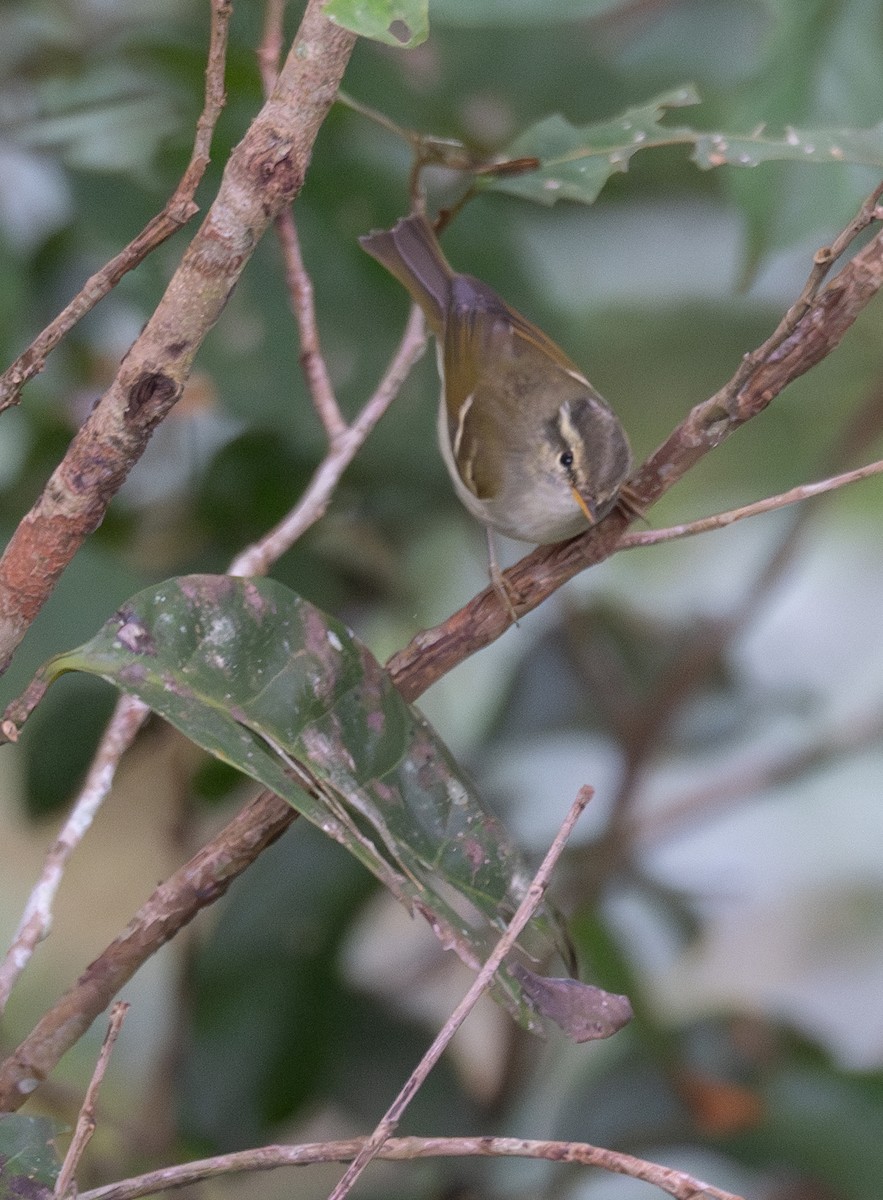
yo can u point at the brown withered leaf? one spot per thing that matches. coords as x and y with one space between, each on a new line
582 1011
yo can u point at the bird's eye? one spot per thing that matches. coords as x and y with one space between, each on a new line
566 459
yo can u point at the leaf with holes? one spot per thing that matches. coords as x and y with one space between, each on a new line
576 161
264 680
402 23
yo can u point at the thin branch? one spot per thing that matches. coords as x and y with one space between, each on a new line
267 1158
648 728
312 360
257 559
300 286
177 212
272 40
812 329
36 920
804 491
264 173
64 1184
528 906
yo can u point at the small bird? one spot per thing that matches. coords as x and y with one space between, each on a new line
533 451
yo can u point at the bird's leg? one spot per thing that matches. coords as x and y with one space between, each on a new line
497 580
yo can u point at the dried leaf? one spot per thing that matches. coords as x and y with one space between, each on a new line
582 1011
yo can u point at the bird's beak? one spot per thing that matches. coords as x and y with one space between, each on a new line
586 505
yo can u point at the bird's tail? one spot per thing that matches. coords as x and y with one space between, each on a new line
410 251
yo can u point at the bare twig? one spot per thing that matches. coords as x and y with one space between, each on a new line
257 559
64 1184
37 917
300 286
480 984
272 40
177 212
312 360
268 1158
804 491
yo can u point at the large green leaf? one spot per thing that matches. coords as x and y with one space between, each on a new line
28 1161
863 146
266 681
403 23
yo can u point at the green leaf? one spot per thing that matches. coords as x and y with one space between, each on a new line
402 23
28 1161
266 681
860 146
576 161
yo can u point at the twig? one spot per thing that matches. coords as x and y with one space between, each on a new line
272 40
482 981
257 558
300 286
264 173
312 360
804 491
64 1184
269 1158
177 212
37 917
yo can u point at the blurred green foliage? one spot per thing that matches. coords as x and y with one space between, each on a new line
758 1047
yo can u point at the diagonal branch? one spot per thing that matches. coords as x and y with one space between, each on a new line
177 212
263 175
